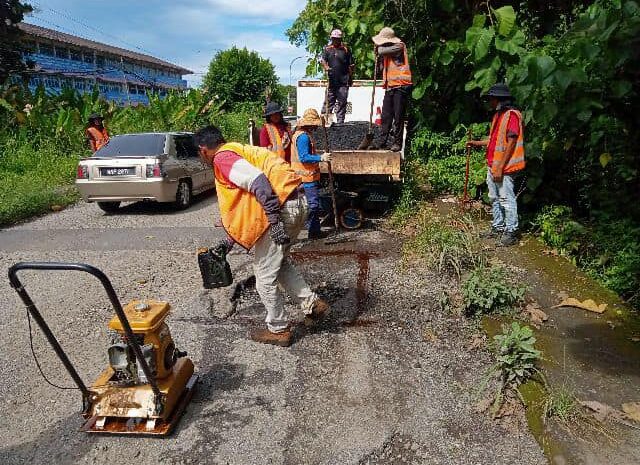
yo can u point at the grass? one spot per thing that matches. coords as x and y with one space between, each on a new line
561 404
489 289
31 181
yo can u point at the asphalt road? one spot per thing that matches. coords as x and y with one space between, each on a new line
388 379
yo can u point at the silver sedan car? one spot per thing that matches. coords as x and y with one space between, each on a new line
161 167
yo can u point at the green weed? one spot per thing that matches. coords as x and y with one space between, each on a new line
488 289
561 404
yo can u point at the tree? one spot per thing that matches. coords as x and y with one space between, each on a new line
240 76
11 48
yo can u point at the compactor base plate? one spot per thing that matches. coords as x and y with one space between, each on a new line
142 426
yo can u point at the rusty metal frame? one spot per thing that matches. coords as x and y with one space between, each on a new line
87 395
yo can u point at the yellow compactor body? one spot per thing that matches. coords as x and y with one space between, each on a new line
124 400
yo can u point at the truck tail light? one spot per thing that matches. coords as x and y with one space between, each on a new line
83 172
155 171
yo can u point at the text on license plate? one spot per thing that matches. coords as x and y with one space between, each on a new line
117 171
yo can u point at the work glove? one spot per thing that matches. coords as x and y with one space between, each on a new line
326 157
278 234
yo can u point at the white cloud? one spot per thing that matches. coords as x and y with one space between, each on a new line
273 10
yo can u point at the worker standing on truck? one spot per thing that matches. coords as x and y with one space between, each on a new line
338 63
396 79
306 163
96 133
275 135
505 158
262 206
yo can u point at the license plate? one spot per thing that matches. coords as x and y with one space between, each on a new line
117 171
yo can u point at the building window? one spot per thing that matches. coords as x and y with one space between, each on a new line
51 82
114 88
132 89
100 61
46 49
66 82
62 52
34 81
76 55
78 84
88 57
104 88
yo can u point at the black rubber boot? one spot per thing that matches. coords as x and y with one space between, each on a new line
508 239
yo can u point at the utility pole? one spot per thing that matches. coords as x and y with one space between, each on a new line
290 81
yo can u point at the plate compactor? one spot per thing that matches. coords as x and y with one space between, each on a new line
147 383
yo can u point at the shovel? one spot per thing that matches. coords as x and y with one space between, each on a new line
368 138
465 197
336 219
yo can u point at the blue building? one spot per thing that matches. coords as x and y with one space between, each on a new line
67 61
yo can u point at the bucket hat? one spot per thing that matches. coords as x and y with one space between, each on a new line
310 118
272 108
385 36
499 90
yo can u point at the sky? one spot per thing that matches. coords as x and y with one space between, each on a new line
184 32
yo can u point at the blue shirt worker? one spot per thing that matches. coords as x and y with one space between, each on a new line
306 163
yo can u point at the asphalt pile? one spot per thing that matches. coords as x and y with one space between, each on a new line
345 136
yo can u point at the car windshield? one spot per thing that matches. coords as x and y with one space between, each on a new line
133 145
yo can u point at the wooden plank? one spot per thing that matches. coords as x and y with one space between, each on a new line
382 162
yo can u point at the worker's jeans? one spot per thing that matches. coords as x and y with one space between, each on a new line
394 108
273 269
504 204
338 100
312 193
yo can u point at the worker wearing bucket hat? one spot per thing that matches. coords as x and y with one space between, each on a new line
275 135
96 133
306 163
396 79
338 63
505 160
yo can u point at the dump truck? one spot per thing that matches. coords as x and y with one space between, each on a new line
365 180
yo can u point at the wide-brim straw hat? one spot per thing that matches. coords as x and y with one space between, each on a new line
310 118
385 36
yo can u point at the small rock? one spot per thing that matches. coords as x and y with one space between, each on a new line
57 208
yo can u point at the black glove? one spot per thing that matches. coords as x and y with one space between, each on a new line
278 234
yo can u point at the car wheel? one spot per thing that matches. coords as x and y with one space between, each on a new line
109 207
183 195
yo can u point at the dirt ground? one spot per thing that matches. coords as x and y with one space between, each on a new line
387 379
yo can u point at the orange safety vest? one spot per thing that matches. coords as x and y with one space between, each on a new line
278 146
516 162
396 75
310 172
97 137
242 215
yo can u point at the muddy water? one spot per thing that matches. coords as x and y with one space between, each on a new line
594 355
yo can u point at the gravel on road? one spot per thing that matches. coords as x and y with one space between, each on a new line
387 379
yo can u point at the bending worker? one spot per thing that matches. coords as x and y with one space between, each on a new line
262 207
306 163
275 134
396 79
505 158
96 133
338 63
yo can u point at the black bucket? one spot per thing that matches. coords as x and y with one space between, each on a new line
214 268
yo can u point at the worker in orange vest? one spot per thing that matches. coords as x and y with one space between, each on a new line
96 133
396 79
262 206
306 163
505 158
275 135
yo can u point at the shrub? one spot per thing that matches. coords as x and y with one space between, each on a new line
516 355
489 289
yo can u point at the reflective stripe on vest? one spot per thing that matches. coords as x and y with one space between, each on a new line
310 172
516 162
242 215
395 75
98 137
277 146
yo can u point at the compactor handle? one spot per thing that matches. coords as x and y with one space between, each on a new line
115 302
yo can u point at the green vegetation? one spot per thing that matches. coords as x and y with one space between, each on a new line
447 244
561 404
517 360
489 289
11 13
237 76
609 251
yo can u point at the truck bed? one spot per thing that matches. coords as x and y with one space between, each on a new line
365 162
